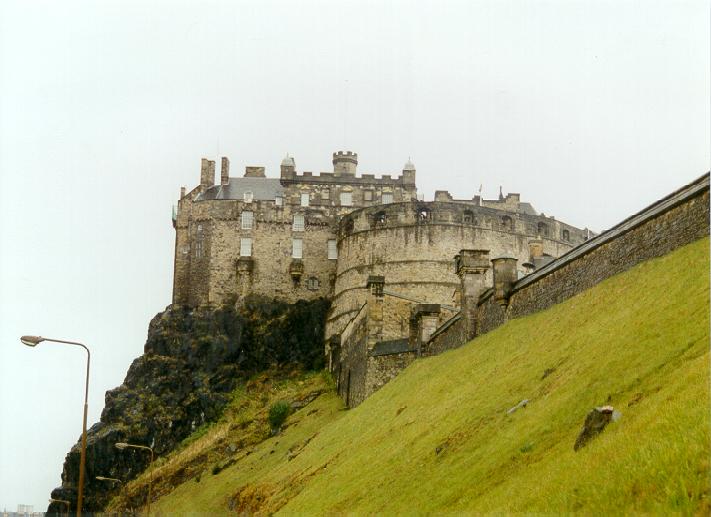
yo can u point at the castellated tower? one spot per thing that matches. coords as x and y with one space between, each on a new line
345 163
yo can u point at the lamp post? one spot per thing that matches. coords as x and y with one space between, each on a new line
61 501
36 340
122 446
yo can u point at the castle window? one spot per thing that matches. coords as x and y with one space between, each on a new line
543 229
507 222
387 198
198 249
297 248
245 247
298 225
304 199
380 219
332 249
566 235
367 195
313 284
326 194
468 217
279 201
248 196
346 198
423 214
247 220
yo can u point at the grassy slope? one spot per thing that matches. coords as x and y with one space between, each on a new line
638 341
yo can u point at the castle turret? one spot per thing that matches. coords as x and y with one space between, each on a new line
345 163
288 168
408 172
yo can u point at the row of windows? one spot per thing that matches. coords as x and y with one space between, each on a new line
297 248
346 198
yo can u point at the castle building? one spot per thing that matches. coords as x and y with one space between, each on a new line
302 236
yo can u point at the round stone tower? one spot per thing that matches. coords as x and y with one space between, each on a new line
345 163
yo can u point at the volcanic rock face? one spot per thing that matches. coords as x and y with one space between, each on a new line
193 359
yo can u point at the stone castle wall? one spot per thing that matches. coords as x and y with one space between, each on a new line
412 245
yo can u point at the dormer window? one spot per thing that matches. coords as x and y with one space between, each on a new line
248 196
507 222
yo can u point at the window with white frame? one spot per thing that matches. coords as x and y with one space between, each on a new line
297 248
279 200
248 196
332 249
247 220
304 199
245 247
387 198
346 198
298 225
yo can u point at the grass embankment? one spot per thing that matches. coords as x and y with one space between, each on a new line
438 437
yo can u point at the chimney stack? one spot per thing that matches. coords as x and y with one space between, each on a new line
225 171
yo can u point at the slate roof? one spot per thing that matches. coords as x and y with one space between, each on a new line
262 189
527 208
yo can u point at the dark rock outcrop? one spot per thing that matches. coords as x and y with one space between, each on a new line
193 359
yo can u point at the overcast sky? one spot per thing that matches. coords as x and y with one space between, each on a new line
591 110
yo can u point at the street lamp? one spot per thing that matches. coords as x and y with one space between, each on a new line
36 340
61 501
122 446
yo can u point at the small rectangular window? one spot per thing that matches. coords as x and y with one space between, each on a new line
387 198
346 198
247 220
367 195
245 247
279 201
297 248
298 225
305 199
248 197
332 249
198 249
326 194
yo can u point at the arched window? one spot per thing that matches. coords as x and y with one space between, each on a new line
468 217
566 235
507 222
380 219
543 229
423 214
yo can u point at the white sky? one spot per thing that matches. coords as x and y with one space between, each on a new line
591 110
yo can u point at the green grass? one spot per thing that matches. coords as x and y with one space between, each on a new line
438 438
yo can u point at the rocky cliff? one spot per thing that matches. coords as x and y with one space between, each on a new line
193 359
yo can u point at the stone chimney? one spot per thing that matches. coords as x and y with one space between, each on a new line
424 319
225 171
207 173
471 267
254 172
182 192
505 277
